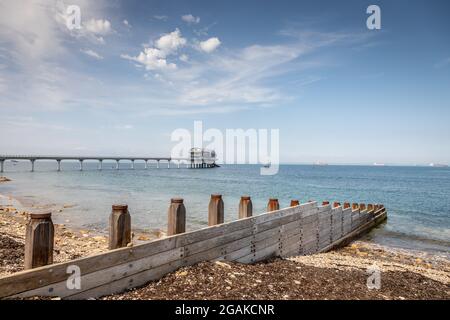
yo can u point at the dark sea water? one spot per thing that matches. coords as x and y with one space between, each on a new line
417 198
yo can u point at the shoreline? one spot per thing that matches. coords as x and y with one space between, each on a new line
70 243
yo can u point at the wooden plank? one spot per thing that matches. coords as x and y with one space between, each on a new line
217 241
129 282
377 219
101 277
303 208
43 276
219 251
278 221
232 256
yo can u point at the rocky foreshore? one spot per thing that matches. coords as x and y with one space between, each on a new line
340 274
69 244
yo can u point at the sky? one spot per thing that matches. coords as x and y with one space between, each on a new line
136 71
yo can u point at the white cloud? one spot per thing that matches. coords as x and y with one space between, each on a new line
152 59
210 45
92 54
171 42
156 58
98 27
125 22
189 18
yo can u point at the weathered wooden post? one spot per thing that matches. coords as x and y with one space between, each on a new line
376 207
362 206
355 206
369 207
245 207
295 203
336 204
346 205
119 227
176 217
39 239
325 203
273 205
215 210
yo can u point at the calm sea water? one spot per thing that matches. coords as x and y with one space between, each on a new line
417 198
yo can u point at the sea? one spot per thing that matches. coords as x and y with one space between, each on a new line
417 198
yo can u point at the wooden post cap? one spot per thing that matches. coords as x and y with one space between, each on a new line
362 206
215 210
325 203
120 207
40 215
176 200
245 207
295 203
346 205
355 206
336 204
273 205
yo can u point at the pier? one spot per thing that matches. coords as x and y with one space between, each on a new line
200 158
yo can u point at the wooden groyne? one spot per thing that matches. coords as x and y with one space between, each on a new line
297 230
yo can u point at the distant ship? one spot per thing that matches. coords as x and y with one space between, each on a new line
319 163
438 165
378 164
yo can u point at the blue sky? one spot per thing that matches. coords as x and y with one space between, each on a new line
137 70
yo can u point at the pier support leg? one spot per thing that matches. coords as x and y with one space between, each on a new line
117 164
146 164
100 164
59 165
81 165
39 240
176 217
215 210
119 227
168 164
178 164
132 164
32 165
245 207
2 162
273 205
157 164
